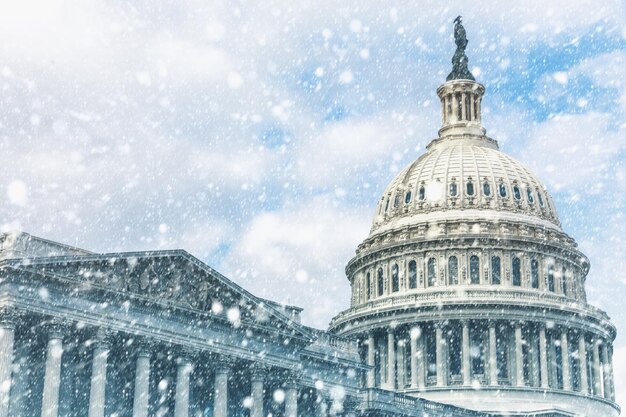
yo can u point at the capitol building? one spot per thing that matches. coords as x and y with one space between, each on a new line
468 300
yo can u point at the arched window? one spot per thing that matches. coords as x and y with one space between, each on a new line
502 190
470 188
453 189
531 198
453 270
381 282
550 278
517 193
412 274
486 189
387 205
474 270
563 282
516 266
422 193
432 273
368 293
540 198
407 197
534 273
496 270
396 200
395 279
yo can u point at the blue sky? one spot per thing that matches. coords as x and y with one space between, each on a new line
258 136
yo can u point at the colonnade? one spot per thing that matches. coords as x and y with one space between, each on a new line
489 353
261 379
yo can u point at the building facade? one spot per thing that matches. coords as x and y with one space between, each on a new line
468 300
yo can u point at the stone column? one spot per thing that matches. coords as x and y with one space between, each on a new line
8 319
565 357
52 377
493 356
414 333
582 363
350 405
291 397
611 375
321 405
142 381
257 381
597 377
401 364
465 354
606 368
371 360
463 114
543 356
99 373
391 360
181 398
440 354
519 356
220 397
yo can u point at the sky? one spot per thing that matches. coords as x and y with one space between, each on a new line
259 136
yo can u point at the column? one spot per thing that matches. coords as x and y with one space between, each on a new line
519 356
440 354
611 376
291 397
543 356
597 377
493 354
606 368
371 360
220 397
142 381
465 354
321 405
7 340
98 374
415 332
52 377
567 381
401 364
391 360
181 398
257 381
463 114
582 363
350 405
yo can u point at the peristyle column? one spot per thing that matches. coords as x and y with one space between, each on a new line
391 360
439 353
371 360
52 376
183 370
493 357
220 397
8 319
582 363
257 381
99 373
413 335
465 353
519 356
543 356
142 381
291 397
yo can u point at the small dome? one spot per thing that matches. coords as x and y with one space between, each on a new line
464 177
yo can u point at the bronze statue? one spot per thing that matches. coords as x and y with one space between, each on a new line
459 60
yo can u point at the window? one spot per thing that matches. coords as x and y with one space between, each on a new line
477 350
381 282
474 270
453 336
467 107
550 283
459 108
517 271
432 273
412 274
407 197
453 270
517 193
563 282
422 193
496 270
486 189
529 193
368 294
502 352
534 273
470 188
502 190
453 189
387 205
540 198
396 200
395 279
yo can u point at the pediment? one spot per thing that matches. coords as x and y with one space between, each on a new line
173 278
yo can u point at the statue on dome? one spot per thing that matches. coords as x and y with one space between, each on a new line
459 60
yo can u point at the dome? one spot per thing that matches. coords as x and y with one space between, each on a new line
464 178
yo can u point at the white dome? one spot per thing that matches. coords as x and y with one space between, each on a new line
464 177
